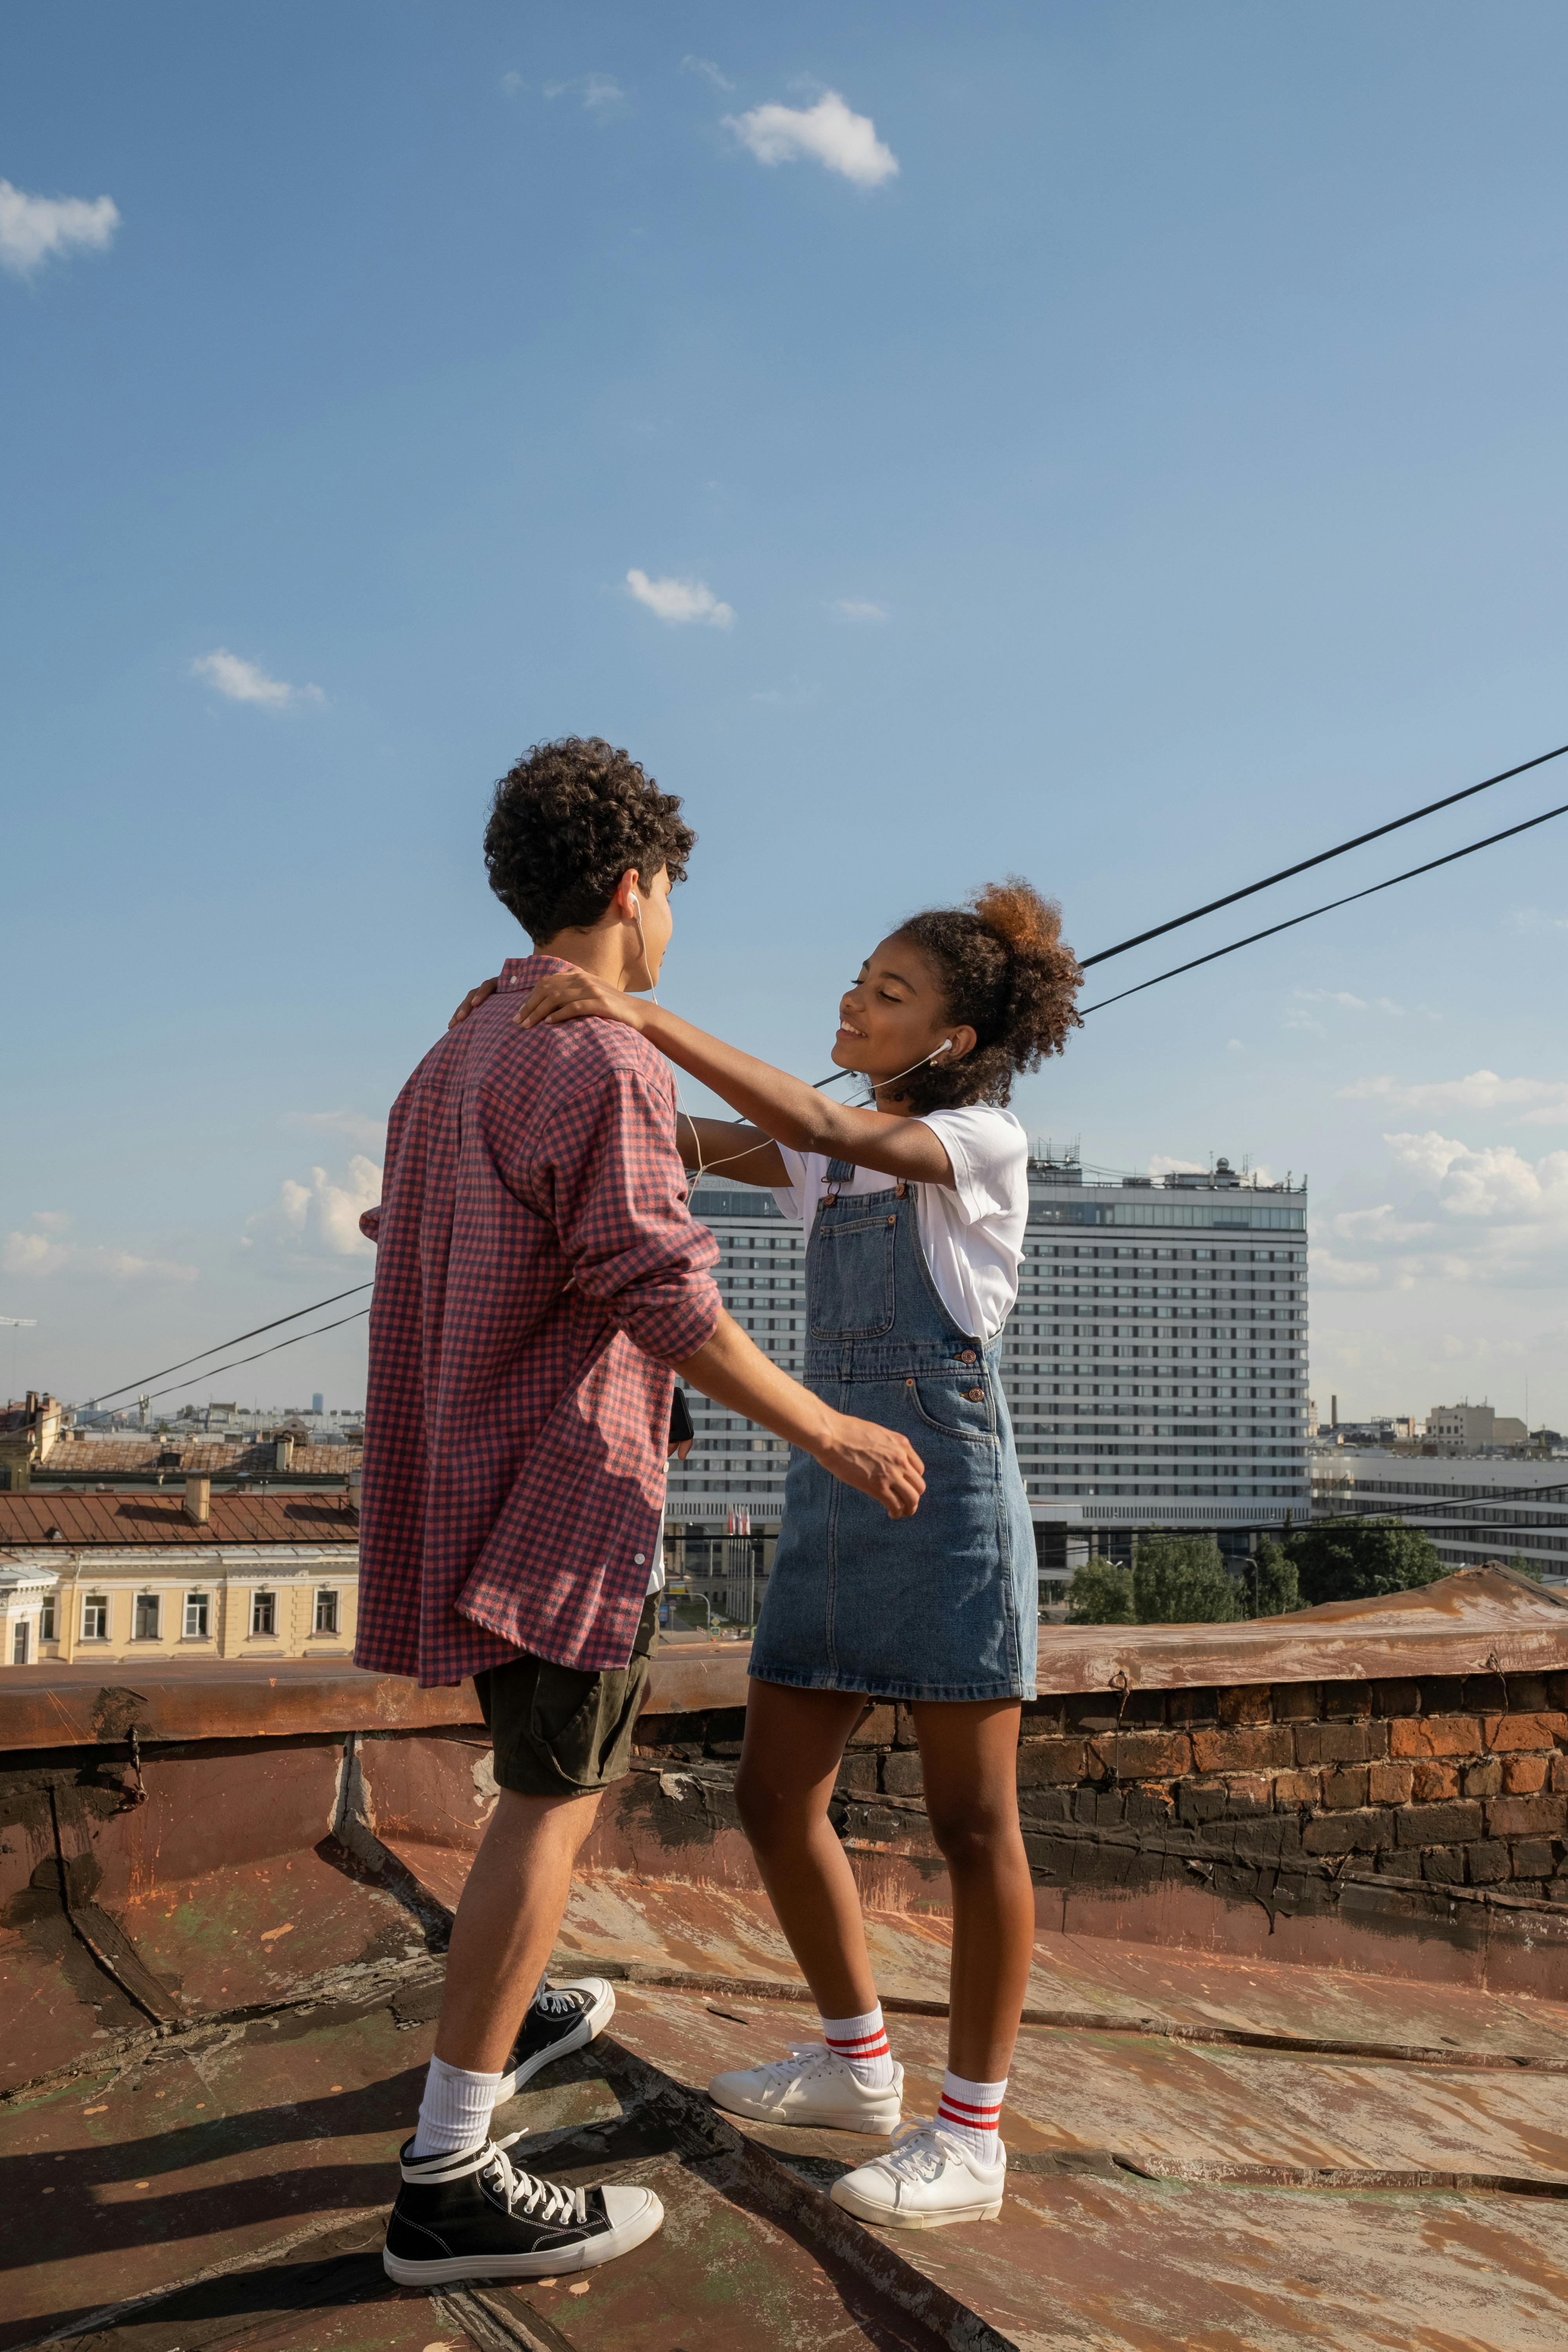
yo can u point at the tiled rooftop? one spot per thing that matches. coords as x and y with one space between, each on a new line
74 1520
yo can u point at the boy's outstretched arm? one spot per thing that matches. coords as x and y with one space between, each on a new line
875 1461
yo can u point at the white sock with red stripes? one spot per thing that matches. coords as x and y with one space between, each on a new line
971 2111
862 2043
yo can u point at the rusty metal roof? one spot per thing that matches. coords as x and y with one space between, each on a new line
54 1706
76 1521
1447 1628
220 2000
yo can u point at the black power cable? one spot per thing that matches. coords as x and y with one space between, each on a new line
217 1369
238 1340
1253 937
1284 875
1322 857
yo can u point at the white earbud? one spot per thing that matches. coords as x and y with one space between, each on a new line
945 1047
634 908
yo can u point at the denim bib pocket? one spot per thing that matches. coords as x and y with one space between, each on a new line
949 1407
852 1297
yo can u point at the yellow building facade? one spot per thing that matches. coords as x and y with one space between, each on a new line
146 1605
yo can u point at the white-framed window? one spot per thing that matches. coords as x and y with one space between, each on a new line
47 1619
146 1615
195 1616
21 1650
263 1612
95 1617
326 1611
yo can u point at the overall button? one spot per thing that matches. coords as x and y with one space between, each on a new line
967 1357
976 1396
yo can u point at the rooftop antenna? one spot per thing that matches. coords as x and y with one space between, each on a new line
30 1323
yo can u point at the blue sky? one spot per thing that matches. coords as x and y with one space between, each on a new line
1127 444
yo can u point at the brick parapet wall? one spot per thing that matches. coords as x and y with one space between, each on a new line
1451 1786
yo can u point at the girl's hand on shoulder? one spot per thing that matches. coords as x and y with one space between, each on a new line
472 1001
578 996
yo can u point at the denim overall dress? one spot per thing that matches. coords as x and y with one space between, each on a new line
941 1606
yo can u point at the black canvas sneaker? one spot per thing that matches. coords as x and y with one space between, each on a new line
474 2216
563 2018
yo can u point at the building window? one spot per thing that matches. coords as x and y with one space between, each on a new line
263 1612
95 1617
326 1612
146 1626
19 1651
47 1620
195 1616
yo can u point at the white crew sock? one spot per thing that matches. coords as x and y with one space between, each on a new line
455 2113
862 2043
971 2111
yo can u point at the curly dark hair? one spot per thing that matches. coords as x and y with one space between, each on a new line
1004 970
567 821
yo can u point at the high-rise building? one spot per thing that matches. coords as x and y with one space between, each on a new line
1155 1366
736 1470
1156 1361
318 1404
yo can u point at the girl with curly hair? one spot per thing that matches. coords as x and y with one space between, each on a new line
915 1208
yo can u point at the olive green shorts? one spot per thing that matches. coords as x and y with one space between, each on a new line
557 1732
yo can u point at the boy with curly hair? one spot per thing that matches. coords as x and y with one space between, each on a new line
540 1280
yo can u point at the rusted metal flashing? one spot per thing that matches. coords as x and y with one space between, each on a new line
54 1706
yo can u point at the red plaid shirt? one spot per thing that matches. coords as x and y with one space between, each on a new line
537 1273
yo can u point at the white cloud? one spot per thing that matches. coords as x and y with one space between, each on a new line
1331 1272
679 600
34 229
512 83
1539 1102
1494 1183
709 71
1163 1165
123 1265
369 1134
244 681
1339 996
53 1221
36 1253
1382 1224
1233 1045
598 93
320 1219
854 608
1334 999
32 1254
828 132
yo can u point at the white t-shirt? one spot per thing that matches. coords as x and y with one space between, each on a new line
972 1230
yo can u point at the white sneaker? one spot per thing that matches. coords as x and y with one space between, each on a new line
927 2177
811 2086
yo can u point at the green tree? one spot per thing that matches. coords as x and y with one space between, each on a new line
1101 1594
1361 1559
1182 1580
1271 1585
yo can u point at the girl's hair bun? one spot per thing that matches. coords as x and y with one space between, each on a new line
1006 973
1015 911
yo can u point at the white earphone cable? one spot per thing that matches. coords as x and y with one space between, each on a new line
704 1166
